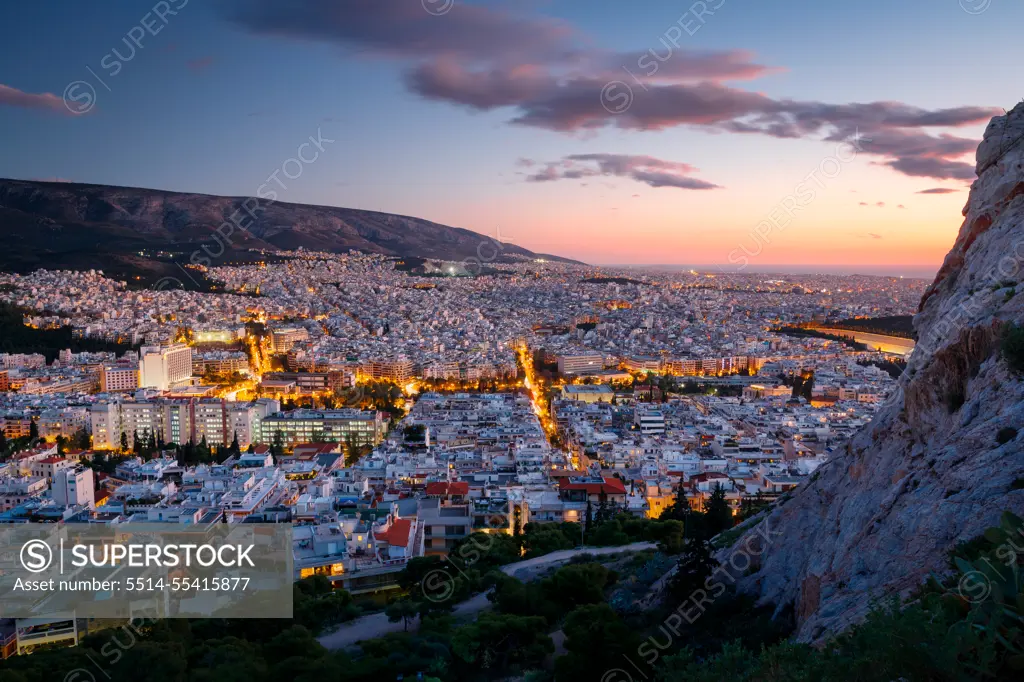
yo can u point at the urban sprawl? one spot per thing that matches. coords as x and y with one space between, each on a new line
388 412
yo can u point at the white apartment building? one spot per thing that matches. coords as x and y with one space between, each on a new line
651 422
283 339
163 367
179 421
580 364
15 490
63 421
74 486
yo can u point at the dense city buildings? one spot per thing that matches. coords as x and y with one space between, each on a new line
390 415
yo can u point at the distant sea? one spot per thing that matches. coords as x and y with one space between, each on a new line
914 271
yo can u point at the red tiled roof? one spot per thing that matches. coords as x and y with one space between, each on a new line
397 534
697 478
611 486
51 460
446 488
309 449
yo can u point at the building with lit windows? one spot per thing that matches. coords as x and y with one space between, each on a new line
119 378
340 426
283 339
584 363
164 367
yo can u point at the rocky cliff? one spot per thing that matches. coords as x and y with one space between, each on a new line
928 472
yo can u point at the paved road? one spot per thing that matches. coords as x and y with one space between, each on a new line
377 624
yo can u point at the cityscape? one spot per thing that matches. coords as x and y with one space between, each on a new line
493 342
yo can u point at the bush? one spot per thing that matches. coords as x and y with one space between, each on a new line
1013 347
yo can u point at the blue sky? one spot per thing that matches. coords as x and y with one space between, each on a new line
223 94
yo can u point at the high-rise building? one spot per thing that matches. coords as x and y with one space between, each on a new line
164 367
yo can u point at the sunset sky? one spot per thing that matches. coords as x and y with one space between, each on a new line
611 132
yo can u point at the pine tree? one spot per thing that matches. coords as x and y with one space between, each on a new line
719 515
3 442
696 564
33 431
124 442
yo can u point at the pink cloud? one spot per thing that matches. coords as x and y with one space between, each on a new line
200 64
13 97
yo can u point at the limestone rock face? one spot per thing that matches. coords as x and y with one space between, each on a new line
927 473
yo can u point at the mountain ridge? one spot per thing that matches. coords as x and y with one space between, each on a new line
108 227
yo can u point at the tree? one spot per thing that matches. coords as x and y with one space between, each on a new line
577 584
696 564
3 442
277 444
33 430
719 514
404 610
501 643
597 641
235 448
668 534
124 442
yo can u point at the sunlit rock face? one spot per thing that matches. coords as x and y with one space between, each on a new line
928 472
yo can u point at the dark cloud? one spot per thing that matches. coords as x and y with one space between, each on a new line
403 28
938 190
448 80
646 169
549 76
930 167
